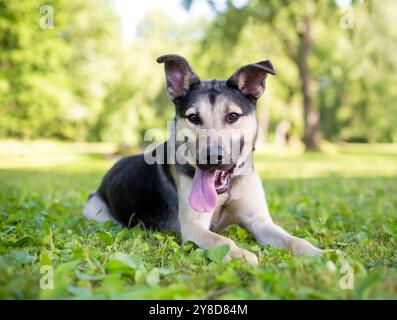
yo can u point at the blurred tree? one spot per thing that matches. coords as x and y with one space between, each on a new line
79 81
137 100
369 110
292 23
32 79
49 80
92 33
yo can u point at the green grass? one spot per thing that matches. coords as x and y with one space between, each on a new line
343 199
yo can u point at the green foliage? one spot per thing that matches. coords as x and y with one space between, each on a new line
217 253
338 200
391 229
351 79
49 79
79 81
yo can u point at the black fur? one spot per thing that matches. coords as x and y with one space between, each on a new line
136 191
186 169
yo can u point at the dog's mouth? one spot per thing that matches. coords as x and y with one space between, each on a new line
207 184
222 180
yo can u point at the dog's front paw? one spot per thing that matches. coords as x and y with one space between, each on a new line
300 247
239 253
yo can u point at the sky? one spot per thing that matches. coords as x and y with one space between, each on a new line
131 12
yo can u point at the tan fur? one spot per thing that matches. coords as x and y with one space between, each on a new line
244 204
213 117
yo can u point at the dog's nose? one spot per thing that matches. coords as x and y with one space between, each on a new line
214 155
214 159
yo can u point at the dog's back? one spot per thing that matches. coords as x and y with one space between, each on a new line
135 191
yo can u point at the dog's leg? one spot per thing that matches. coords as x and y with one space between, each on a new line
195 227
252 214
96 209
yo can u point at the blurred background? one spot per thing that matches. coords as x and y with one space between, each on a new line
85 70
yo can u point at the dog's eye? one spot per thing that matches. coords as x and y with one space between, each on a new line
232 117
194 118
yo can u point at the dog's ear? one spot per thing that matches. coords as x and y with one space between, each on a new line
250 79
180 76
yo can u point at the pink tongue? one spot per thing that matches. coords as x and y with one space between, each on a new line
203 195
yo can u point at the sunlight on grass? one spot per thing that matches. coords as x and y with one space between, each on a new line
344 160
348 160
48 155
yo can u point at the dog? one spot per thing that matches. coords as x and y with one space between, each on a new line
198 182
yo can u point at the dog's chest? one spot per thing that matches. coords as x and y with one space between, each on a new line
220 215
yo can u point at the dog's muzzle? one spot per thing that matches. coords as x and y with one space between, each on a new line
212 177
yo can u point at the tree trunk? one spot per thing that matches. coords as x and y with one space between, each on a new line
311 136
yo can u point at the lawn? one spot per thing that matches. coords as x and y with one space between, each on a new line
344 199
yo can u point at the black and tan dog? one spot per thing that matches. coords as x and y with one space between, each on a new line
204 179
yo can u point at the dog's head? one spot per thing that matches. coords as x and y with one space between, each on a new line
216 122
